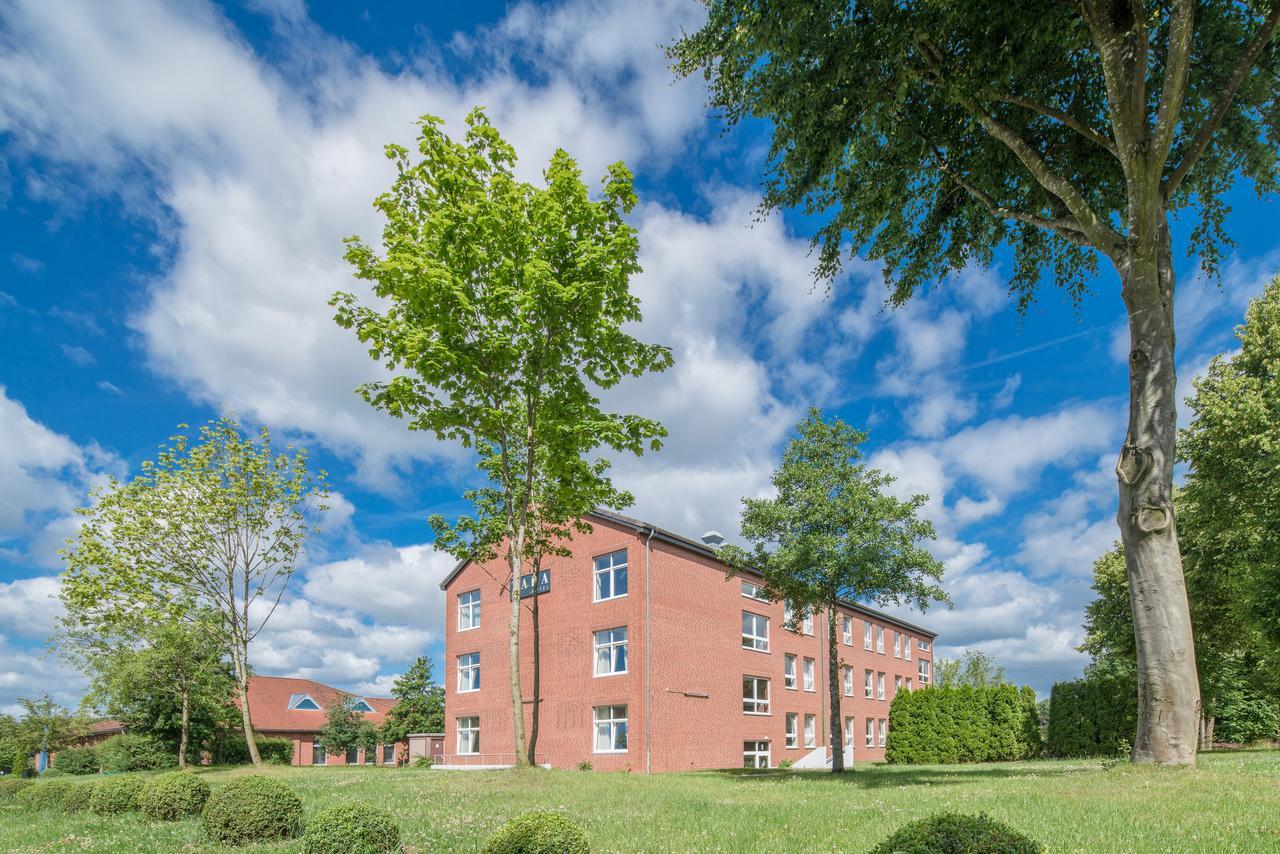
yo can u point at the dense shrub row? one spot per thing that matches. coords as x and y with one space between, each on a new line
953 833
175 795
351 829
252 809
129 752
231 749
964 724
77 760
114 795
1092 717
539 833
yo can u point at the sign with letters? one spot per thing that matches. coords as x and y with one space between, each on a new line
532 585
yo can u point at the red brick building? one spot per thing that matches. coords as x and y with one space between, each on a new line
652 659
283 707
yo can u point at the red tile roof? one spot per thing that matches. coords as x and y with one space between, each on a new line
269 704
105 727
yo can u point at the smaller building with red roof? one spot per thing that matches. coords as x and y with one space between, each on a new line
284 707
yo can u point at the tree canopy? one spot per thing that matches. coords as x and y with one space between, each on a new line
419 703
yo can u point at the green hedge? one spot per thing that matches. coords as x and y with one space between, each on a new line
351 829
129 752
44 795
79 797
539 833
252 809
948 725
172 796
77 760
231 749
10 785
953 833
113 795
1092 717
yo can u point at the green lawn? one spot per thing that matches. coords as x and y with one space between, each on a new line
1231 802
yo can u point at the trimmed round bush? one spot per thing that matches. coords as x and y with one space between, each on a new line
77 760
252 809
172 796
44 795
114 795
77 797
539 833
129 752
953 833
351 829
10 785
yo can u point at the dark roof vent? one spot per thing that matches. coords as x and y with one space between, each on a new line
714 539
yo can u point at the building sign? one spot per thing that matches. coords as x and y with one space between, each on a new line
531 586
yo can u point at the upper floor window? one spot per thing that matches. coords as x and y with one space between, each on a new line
924 645
897 645
611 575
924 670
469 735
906 647
611 651
848 681
879 686
846 632
908 683
755 631
807 624
789 671
469 672
808 674
880 639
897 685
468 610
866 635
883 723
810 730
869 684
611 729
755 695
793 725
753 591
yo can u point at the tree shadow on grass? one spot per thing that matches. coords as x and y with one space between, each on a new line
886 777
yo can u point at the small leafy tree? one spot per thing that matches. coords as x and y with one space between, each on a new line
834 534
346 728
925 135
419 704
975 668
213 526
502 308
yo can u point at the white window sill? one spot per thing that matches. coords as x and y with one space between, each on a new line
467 691
614 673
755 649
789 688
759 714
611 598
469 628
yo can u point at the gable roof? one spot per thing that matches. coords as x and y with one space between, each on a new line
270 698
701 548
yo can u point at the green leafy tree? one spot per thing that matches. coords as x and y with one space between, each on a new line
501 314
975 668
43 725
926 135
346 728
214 526
834 534
419 704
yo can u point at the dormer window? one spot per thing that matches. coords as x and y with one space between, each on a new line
303 703
362 705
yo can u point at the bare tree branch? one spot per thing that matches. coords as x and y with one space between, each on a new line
1202 138
1177 64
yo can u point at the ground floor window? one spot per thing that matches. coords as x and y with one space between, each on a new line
848 731
871 732
611 729
810 730
882 732
755 754
793 737
318 756
388 754
469 735
353 756
755 695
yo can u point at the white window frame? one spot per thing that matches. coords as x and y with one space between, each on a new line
924 671
793 730
897 685
879 686
608 641
808 674
909 688
753 591
465 671
848 681
751 749
897 645
470 727
610 570
866 635
848 730
807 624
846 629
810 731
789 671
871 732
469 610
612 723
869 684
906 648
883 730
752 639
879 640
754 704
924 645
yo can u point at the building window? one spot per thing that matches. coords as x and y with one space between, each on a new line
871 733
866 635
924 645
362 705
848 681
880 639
468 610
755 754
755 632
808 674
897 645
469 672
611 651
318 756
753 591
897 685
906 647
924 670
882 732
808 624
469 735
793 738
303 702
846 629
755 695
879 686
788 616
611 729
611 576
353 756
789 671
908 683
388 754
870 684
810 730
848 731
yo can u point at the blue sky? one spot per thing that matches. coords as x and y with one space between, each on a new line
174 187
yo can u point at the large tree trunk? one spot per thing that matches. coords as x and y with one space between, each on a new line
537 681
185 740
513 648
240 660
1168 688
833 688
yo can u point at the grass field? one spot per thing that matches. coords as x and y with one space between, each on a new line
1231 802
